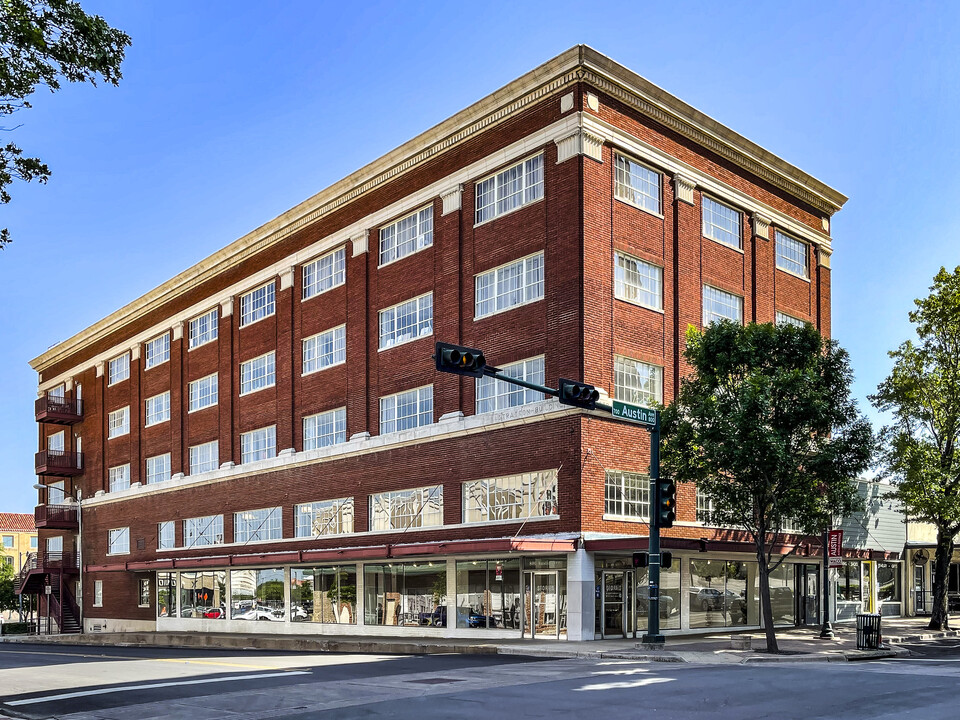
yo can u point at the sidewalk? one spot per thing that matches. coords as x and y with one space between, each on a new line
796 644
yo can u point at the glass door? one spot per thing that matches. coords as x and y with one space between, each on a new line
808 595
542 611
616 604
918 589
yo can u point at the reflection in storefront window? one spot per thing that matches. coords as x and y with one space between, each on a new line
719 596
849 598
203 594
257 595
888 588
405 594
669 597
488 594
166 594
782 587
324 595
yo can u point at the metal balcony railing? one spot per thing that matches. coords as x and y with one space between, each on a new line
58 462
58 410
56 516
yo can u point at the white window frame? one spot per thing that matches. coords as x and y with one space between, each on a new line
203 531
158 468
253 309
196 450
392 402
628 282
705 509
203 392
118 477
396 240
324 517
713 317
335 419
492 395
786 244
325 273
264 446
528 185
783 318
55 442
118 369
118 422
261 369
625 189
713 230
626 495
143 585
98 593
332 342
166 535
118 541
156 409
628 369
203 329
418 307
510 497
156 351
260 525
424 509
500 299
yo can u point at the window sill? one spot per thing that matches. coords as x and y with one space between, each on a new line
254 322
256 390
721 243
200 345
205 407
508 212
117 382
155 365
318 293
114 437
325 367
396 260
500 312
793 274
659 311
156 422
402 342
626 518
638 207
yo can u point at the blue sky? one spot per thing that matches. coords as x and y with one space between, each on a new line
231 112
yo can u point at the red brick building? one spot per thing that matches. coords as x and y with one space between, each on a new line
265 436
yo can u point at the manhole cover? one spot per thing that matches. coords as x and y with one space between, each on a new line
435 681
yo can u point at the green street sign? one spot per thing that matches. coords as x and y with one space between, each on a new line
634 413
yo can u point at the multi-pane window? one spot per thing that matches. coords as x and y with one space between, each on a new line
156 351
157 409
402 509
509 498
257 304
638 282
118 422
55 442
705 507
325 349
324 273
258 444
259 373
721 223
118 541
144 592
166 535
201 531
407 235
158 468
203 329
205 457
626 494
636 382
323 429
495 394
257 525
637 184
514 187
98 593
784 319
56 493
407 321
118 369
720 305
406 410
508 286
119 477
327 517
792 255
203 392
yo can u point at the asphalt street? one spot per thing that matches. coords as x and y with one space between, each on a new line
140 684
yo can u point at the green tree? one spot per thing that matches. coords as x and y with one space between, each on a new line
765 426
42 43
8 598
920 446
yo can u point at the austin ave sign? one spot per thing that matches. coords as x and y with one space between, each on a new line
634 413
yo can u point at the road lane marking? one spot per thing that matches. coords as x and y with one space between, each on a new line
213 662
150 686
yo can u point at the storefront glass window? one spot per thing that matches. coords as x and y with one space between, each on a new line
849 598
669 597
488 594
257 595
782 590
722 593
203 594
324 595
166 594
888 588
405 594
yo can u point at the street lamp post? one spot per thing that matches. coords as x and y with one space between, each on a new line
826 628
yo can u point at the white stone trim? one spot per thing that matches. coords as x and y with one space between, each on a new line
99 367
360 243
823 257
566 103
135 352
226 307
593 102
683 188
452 199
761 226
287 277
580 142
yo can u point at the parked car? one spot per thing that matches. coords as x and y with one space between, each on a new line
215 613
669 605
259 614
439 616
706 599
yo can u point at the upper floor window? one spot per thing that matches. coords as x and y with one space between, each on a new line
118 422
203 392
257 304
636 382
55 442
638 282
157 409
56 493
325 349
402 509
406 235
157 351
205 457
721 223
508 286
327 517
33 542
324 273
512 188
118 541
257 525
258 444
626 494
637 184
8 541
258 373
166 535
158 468
56 393
493 394
720 305
119 477
510 498
200 531
784 319
705 507
328 428
203 329
792 255
407 321
406 410
118 369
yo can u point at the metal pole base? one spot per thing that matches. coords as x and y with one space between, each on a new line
826 631
652 642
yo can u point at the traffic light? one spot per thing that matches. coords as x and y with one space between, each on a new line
578 394
666 503
666 559
459 360
641 559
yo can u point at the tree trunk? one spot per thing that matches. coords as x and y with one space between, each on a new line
766 610
939 615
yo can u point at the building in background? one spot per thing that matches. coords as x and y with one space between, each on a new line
265 437
18 543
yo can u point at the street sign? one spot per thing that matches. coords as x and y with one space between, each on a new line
634 413
835 548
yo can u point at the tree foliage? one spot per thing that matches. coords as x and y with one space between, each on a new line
43 43
766 427
8 599
920 446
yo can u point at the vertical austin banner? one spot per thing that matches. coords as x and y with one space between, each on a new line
835 548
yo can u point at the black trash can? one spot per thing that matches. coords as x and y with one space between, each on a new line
868 631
